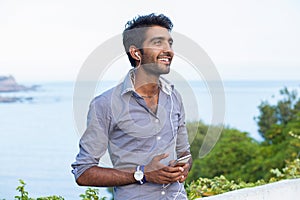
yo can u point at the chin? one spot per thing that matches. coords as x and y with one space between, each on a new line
166 71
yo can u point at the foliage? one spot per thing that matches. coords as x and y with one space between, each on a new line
236 155
21 189
90 194
204 187
292 170
239 157
50 198
279 125
230 157
273 118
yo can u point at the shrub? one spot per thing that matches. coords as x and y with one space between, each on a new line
204 187
90 194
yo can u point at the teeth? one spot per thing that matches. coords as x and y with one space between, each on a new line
164 59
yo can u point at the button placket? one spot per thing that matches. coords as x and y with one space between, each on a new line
157 127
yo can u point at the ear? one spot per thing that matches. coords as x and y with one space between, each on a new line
134 52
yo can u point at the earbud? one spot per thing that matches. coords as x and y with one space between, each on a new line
137 55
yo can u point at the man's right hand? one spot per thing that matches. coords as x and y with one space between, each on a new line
156 172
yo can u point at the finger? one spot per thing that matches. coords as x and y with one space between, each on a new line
185 172
182 178
168 172
186 167
171 169
171 177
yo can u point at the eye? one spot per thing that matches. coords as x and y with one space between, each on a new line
171 43
157 42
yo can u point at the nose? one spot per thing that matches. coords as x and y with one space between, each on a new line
167 47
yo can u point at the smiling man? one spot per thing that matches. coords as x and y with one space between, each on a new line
141 122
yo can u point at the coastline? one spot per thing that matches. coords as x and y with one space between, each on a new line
8 84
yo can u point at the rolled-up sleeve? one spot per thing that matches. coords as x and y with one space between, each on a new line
94 141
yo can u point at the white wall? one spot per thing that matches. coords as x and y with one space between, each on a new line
282 190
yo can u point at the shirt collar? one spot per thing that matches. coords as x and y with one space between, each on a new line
166 86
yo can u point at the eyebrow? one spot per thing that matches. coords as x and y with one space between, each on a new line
161 38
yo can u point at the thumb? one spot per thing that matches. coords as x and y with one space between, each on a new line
161 156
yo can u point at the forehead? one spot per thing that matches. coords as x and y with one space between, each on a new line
157 31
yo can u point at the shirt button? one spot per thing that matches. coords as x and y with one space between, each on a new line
163 192
156 120
158 137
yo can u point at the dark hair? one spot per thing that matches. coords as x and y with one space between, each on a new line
134 33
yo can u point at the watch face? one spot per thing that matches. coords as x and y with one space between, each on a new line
138 175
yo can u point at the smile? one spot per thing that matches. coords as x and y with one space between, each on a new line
165 60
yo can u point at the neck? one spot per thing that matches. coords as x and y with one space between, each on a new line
146 85
148 91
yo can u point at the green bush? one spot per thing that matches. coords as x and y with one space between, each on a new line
292 170
90 194
204 187
238 156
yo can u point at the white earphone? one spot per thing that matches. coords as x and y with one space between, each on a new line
136 53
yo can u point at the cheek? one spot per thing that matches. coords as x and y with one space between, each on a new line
149 58
152 52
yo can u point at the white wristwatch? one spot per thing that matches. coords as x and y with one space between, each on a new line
139 174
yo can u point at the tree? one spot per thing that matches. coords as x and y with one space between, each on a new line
229 157
279 125
238 156
274 118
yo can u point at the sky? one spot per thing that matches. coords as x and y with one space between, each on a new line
246 40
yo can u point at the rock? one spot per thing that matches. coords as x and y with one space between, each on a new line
9 84
9 99
15 99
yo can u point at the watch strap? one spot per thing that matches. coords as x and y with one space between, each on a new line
144 177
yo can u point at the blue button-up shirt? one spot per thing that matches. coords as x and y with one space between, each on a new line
120 121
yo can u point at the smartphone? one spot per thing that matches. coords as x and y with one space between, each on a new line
182 160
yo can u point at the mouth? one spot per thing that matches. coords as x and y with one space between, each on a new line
165 60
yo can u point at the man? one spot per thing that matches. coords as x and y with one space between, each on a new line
141 122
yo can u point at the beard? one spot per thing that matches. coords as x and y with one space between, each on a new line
156 68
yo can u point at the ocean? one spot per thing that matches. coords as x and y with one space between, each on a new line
39 140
